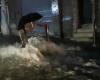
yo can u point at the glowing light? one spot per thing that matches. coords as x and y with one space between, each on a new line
55 9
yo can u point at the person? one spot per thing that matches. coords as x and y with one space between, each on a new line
23 33
26 25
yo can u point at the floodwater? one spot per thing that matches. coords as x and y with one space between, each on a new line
48 60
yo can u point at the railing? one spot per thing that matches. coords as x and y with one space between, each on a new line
30 28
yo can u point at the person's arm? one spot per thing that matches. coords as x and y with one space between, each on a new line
33 25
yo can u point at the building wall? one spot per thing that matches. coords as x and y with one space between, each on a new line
67 11
15 12
97 4
4 18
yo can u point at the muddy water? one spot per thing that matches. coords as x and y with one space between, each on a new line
18 63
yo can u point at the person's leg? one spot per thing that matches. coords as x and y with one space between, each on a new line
23 37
